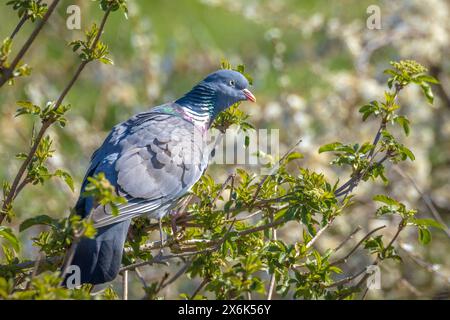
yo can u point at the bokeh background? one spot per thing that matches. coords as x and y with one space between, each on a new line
314 63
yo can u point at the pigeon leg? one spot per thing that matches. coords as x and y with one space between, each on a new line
161 237
173 224
181 211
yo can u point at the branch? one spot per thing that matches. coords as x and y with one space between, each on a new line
222 188
272 171
46 124
344 259
431 268
178 274
8 72
400 227
162 258
200 287
319 233
348 238
348 187
427 199
157 245
21 23
345 280
353 182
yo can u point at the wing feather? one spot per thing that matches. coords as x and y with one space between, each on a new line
152 159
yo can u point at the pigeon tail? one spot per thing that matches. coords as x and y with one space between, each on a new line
99 259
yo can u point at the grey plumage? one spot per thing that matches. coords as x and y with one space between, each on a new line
150 165
152 159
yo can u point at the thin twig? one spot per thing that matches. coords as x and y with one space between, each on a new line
344 259
140 277
319 233
199 288
408 285
431 268
22 21
426 198
68 258
261 228
162 258
155 245
272 171
377 260
222 188
19 26
348 187
348 238
251 215
8 72
178 274
346 280
35 271
46 124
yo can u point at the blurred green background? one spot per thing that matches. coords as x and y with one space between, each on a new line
314 63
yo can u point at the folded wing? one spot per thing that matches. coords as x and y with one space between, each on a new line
152 159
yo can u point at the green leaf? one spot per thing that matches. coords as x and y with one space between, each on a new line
106 60
408 153
27 107
390 72
330 147
246 141
366 108
66 177
424 235
7 234
366 147
427 78
385 199
428 223
293 156
426 88
404 122
89 230
39 220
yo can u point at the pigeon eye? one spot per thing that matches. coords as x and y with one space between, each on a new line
232 83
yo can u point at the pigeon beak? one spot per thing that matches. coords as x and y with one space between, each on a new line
249 95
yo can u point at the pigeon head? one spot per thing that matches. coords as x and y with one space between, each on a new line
217 92
230 87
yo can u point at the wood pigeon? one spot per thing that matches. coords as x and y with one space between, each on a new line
152 159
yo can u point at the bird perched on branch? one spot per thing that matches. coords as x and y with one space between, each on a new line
152 160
